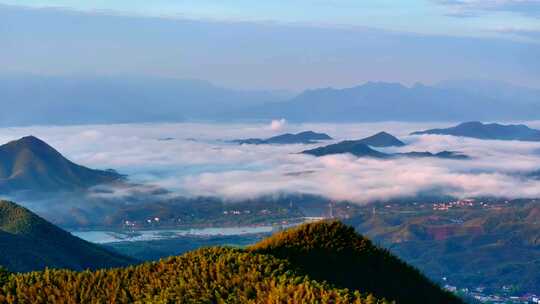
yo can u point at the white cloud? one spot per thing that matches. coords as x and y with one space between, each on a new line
210 166
464 8
278 124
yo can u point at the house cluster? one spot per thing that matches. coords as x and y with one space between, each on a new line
502 298
236 212
464 203
130 224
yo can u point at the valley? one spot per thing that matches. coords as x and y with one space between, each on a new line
270 152
455 219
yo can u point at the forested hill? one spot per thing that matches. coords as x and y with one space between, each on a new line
334 252
28 242
269 272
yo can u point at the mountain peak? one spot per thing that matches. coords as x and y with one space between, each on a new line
334 252
29 141
382 139
29 163
327 235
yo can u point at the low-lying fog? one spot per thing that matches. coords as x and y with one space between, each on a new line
195 159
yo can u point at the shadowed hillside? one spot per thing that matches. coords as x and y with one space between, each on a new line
28 242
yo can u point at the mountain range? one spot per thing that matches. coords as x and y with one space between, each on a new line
30 164
360 148
493 89
313 263
379 101
31 99
476 129
28 243
306 137
57 100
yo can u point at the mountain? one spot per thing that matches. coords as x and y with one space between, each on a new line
471 243
335 253
313 263
353 147
476 129
493 89
382 139
379 101
28 243
306 137
442 154
359 149
47 100
53 100
31 164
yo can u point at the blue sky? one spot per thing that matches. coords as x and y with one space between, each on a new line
294 44
450 17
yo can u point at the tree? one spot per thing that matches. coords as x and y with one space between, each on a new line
4 275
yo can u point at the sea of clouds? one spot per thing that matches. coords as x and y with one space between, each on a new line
196 159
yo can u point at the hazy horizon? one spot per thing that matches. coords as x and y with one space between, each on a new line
74 39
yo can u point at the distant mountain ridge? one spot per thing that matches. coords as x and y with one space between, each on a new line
380 101
306 137
31 164
28 243
31 100
493 89
476 129
59 100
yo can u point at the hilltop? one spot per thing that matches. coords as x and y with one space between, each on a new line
476 129
28 242
273 271
382 139
334 252
31 164
306 137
